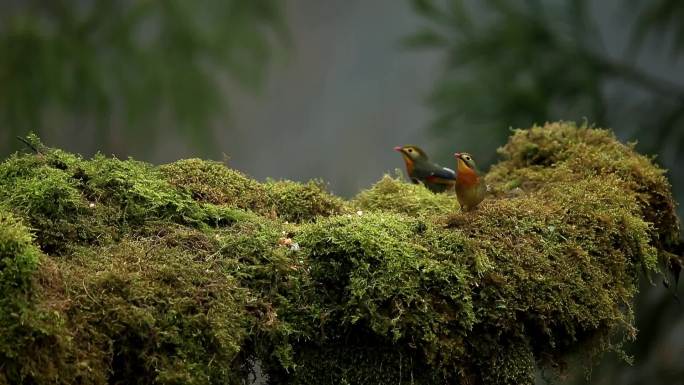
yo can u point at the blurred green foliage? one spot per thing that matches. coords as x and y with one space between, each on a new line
153 62
513 63
661 17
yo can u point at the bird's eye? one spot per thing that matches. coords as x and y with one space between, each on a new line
410 150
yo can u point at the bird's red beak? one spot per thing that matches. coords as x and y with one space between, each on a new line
397 148
457 155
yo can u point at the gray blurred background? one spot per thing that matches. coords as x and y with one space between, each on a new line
304 89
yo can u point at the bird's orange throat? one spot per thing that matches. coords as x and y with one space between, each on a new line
465 175
409 164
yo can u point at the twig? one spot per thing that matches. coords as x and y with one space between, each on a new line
639 77
30 145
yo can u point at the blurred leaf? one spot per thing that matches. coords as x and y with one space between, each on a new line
154 63
425 39
427 8
661 18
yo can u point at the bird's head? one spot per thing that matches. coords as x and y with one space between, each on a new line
411 152
465 162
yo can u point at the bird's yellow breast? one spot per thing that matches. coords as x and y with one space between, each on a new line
465 175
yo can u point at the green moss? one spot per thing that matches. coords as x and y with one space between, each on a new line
164 310
136 191
375 267
30 336
18 260
49 198
511 364
297 202
193 273
378 277
213 182
533 156
396 195
69 200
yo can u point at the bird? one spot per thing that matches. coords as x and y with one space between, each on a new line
470 186
420 170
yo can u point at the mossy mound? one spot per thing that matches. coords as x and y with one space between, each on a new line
213 182
192 273
297 202
395 195
29 331
159 309
535 155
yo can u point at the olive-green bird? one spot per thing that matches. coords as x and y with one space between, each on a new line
421 170
470 186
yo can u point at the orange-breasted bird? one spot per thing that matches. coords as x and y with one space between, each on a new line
470 186
421 170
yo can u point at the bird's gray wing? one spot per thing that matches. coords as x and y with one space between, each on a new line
444 173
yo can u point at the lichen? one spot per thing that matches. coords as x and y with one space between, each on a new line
118 271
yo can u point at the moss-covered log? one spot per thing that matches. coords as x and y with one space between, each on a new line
119 272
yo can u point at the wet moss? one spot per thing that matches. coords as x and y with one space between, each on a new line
31 336
396 195
299 202
117 271
136 191
213 182
378 277
49 198
18 261
69 200
164 309
535 155
512 364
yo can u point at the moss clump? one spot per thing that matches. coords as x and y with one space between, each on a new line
374 269
395 195
378 277
512 364
30 336
193 273
533 156
49 197
164 309
213 182
69 200
135 191
562 274
296 202
18 261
